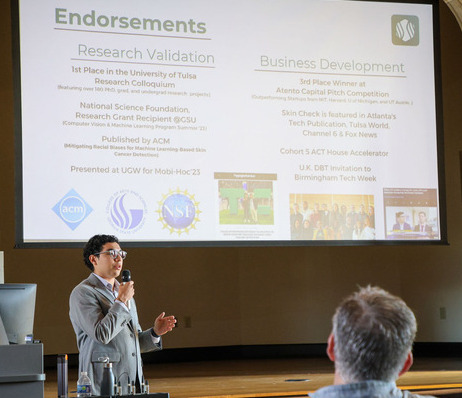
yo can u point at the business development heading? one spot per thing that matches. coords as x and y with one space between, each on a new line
332 65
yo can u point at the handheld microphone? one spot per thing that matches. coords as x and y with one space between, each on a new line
126 277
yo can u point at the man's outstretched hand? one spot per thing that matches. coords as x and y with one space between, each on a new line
164 324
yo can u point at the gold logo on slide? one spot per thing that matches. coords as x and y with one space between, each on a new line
178 211
405 30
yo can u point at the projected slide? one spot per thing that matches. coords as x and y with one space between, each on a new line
249 120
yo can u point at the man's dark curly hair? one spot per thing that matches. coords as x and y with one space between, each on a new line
95 245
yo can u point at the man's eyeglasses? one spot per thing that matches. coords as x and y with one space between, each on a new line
114 253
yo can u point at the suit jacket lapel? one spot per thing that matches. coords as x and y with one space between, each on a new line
99 287
132 313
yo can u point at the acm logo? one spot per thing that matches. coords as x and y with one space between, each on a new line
72 209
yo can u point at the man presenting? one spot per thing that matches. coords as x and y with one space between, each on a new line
370 344
103 314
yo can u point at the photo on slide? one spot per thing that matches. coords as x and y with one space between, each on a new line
410 213
332 217
245 201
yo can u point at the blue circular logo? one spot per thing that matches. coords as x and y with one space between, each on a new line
72 209
178 211
126 210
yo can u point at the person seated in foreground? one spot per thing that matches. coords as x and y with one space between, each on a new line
370 345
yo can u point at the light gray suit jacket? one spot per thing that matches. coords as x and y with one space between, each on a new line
105 329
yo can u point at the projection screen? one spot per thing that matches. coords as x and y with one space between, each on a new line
245 122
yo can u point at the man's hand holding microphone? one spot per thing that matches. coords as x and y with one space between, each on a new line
126 288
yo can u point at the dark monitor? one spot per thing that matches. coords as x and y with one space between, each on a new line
17 309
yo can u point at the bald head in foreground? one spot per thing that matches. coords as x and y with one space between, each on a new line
371 346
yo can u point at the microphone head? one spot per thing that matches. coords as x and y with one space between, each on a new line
126 276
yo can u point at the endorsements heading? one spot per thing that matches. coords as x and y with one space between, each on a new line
62 16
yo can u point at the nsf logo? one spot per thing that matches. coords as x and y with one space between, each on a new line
72 209
178 212
405 30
